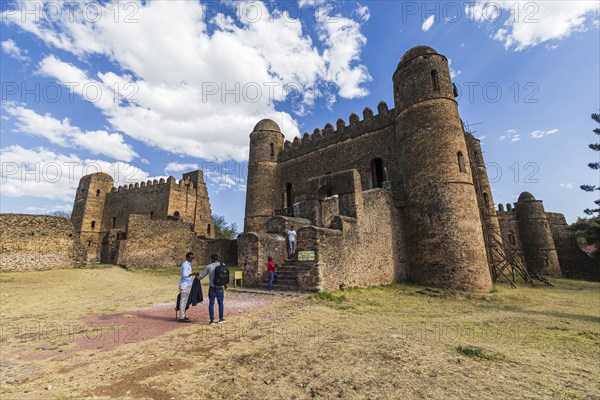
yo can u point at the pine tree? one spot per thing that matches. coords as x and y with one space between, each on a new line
595 166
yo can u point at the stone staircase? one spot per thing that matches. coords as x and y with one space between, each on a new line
288 274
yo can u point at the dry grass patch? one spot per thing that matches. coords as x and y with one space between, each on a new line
387 342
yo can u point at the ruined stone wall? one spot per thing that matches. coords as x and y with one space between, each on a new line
38 242
574 263
162 243
509 228
254 248
362 252
155 243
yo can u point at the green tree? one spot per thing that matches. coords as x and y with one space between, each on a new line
223 230
64 214
594 166
587 232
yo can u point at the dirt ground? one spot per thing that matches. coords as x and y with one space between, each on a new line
108 333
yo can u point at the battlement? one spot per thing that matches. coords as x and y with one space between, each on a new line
329 136
169 183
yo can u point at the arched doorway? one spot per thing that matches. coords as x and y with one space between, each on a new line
289 200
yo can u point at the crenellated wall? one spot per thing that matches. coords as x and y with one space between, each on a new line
38 242
100 208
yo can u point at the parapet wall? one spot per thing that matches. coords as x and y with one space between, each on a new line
342 132
38 242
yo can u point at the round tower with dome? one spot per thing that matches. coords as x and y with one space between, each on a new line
266 141
444 239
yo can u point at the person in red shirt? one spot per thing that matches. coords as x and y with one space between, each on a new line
271 270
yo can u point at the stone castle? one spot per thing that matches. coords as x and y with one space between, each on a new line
148 223
400 195
403 194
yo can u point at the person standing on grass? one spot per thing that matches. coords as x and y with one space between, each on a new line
291 236
185 284
271 270
214 292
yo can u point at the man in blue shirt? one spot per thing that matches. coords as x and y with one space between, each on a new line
214 292
185 284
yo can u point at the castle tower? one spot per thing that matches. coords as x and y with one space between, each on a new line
536 236
203 223
445 244
88 211
489 217
262 193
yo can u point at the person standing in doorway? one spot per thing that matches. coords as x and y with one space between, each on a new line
291 236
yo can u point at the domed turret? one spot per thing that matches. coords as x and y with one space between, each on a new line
266 141
536 237
445 242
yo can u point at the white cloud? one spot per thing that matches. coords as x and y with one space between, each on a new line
567 185
363 12
184 103
180 167
541 134
10 47
39 172
428 23
527 24
63 134
510 135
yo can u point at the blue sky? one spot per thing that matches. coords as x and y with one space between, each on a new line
155 88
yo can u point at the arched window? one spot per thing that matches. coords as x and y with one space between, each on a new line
98 193
511 237
272 150
89 243
93 224
176 214
434 81
486 199
289 201
208 230
377 175
461 162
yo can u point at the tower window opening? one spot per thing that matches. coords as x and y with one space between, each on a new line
377 175
151 214
486 199
89 243
511 238
272 150
434 81
93 224
208 230
461 162
177 215
546 261
98 193
114 222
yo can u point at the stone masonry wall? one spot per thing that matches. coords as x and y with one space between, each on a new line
160 243
574 263
359 252
38 242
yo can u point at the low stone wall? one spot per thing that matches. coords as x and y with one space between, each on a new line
160 243
38 242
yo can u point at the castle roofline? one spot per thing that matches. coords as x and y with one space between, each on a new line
526 196
266 125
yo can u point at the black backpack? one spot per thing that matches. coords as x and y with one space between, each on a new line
221 275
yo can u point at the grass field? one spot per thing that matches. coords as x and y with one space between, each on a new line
395 342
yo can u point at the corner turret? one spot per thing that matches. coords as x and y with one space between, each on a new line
266 141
